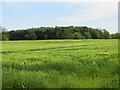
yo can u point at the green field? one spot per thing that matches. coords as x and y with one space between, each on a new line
60 64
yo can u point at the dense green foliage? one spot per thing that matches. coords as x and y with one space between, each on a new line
60 64
3 34
71 32
115 36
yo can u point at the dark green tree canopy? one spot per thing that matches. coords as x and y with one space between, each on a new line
69 32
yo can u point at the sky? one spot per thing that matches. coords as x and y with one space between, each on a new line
22 15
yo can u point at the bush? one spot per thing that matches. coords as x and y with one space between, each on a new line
78 35
5 37
31 36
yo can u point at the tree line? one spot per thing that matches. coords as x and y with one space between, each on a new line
70 32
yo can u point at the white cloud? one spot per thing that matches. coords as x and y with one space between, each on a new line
95 12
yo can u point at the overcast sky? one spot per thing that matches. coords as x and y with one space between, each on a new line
18 15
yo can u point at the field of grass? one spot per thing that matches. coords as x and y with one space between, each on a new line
60 64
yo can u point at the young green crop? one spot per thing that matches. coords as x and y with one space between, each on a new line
60 64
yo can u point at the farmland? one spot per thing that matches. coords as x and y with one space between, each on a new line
60 64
